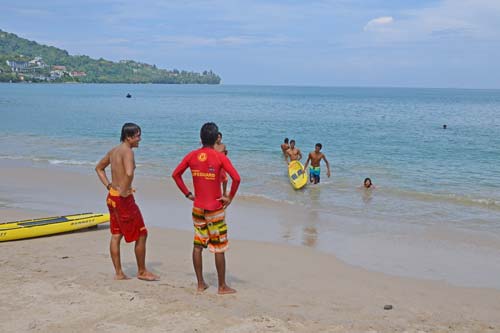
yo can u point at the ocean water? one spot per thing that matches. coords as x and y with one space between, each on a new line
426 176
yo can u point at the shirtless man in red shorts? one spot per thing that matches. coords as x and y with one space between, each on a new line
220 147
209 205
125 216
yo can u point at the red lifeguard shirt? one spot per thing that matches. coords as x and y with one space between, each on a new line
206 164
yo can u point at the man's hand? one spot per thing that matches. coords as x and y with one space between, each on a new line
328 173
225 200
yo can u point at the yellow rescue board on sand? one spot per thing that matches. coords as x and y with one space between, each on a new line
297 175
49 225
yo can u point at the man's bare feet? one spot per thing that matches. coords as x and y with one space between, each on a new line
121 276
226 290
148 276
202 287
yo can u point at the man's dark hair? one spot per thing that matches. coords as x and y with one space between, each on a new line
319 145
292 141
286 140
208 134
129 130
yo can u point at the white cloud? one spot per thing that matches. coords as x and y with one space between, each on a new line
378 22
471 20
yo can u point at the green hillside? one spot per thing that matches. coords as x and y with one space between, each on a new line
82 68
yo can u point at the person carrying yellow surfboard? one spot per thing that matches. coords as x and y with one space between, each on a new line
293 153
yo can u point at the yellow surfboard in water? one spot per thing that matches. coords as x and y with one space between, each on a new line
297 175
49 225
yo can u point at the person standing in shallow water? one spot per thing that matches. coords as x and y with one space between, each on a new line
220 147
315 158
293 152
209 204
284 147
125 217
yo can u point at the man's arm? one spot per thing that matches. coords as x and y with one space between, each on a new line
101 172
299 154
287 154
129 167
235 179
129 164
327 165
177 176
307 162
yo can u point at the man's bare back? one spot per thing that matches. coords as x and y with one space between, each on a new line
122 169
121 159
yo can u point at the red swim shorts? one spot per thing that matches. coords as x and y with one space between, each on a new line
125 216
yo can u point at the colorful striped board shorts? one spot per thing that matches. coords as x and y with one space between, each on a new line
210 229
314 173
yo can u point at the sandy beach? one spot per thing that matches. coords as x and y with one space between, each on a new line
64 283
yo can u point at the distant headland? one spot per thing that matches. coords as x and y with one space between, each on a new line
22 60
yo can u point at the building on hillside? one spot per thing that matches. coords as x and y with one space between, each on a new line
18 66
58 68
54 75
40 78
27 66
77 74
37 62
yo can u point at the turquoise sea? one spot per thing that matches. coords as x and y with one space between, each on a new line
426 176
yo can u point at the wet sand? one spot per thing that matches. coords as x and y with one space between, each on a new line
64 283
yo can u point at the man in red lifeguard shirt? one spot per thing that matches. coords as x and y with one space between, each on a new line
209 205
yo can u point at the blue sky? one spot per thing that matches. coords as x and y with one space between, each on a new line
405 43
